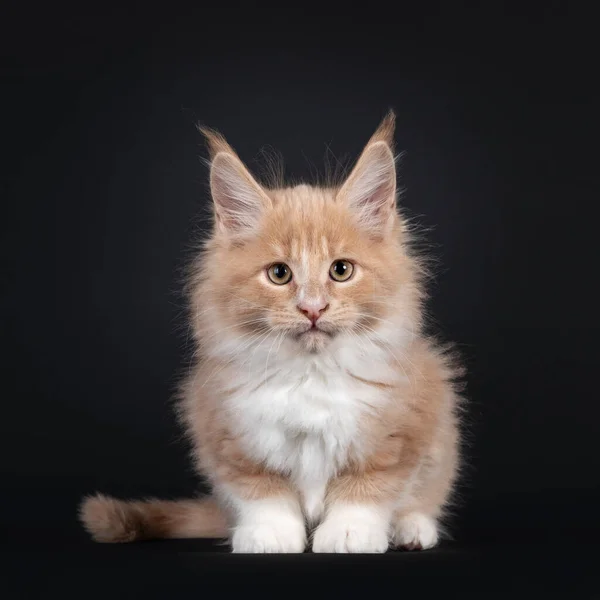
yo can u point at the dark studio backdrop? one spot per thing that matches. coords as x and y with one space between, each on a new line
103 194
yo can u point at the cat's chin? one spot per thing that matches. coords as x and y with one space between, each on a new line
314 340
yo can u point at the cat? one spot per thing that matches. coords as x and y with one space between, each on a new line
320 414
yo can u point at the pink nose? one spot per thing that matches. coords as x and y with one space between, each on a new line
313 309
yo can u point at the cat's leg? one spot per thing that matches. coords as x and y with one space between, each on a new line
269 525
359 509
361 503
416 522
263 509
266 516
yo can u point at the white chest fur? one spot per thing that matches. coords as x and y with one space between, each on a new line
301 415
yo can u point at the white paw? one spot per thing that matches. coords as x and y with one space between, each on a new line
416 531
264 538
359 535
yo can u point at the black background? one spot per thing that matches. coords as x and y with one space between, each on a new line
103 196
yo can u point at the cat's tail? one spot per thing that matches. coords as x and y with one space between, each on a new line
110 520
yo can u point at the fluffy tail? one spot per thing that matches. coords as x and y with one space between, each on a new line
110 520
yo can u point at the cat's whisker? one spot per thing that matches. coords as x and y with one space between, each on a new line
241 299
239 338
237 352
200 313
235 325
258 345
359 340
269 354
404 357
389 349
369 316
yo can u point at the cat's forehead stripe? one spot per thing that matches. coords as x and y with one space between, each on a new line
277 249
307 249
295 248
324 245
305 259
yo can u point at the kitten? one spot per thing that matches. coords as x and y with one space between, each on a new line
317 404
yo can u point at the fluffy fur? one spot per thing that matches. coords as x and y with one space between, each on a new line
340 433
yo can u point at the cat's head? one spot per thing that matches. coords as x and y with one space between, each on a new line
306 264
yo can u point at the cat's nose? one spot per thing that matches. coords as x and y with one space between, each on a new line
313 309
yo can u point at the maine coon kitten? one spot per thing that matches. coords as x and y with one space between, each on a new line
316 405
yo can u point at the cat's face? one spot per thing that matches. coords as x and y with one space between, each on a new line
304 263
310 272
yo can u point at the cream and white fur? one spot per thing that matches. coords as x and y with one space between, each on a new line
342 437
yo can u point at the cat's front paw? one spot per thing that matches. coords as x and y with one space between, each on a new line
351 533
416 531
264 538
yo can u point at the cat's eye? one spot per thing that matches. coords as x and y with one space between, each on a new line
341 270
279 273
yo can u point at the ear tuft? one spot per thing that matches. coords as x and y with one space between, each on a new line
385 131
214 141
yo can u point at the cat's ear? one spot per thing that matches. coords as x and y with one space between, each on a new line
239 201
370 190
